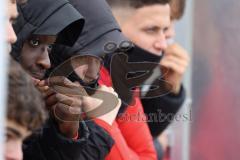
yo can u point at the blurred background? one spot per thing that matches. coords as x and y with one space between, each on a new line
210 30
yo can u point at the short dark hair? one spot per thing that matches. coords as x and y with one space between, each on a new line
136 3
177 9
25 104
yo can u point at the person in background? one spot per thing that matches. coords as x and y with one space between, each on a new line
25 107
148 25
25 111
11 17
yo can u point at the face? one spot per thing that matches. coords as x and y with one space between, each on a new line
11 16
147 27
15 134
35 55
86 67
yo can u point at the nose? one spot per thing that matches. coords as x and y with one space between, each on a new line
11 36
160 43
15 153
85 69
44 60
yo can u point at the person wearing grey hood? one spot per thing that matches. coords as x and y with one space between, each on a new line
100 29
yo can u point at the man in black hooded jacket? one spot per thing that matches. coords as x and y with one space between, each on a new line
90 141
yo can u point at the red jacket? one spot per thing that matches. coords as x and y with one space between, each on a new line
130 132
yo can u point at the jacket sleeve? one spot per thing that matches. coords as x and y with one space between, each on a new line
131 134
162 108
49 144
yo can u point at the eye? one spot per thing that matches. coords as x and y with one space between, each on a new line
166 29
34 42
151 30
50 47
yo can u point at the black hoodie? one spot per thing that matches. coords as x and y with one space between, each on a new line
47 17
100 28
48 144
57 17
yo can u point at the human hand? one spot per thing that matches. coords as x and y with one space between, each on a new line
174 64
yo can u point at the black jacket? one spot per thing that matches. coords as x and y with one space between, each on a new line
48 144
165 105
58 17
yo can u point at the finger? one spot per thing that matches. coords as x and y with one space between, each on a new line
177 51
64 86
48 93
42 83
70 91
64 99
65 113
43 89
51 101
70 101
76 102
35 81
58 98
180 63
60 81
178 55
173 66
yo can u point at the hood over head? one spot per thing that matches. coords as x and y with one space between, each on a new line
100 29
47 17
